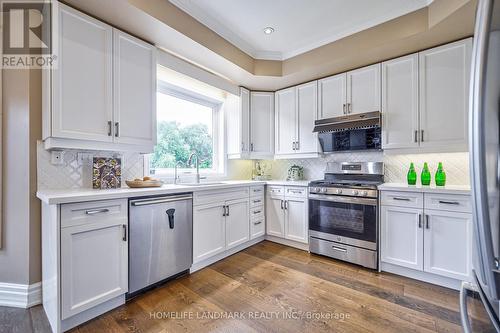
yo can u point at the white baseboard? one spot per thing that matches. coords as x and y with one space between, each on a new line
287 242
20 295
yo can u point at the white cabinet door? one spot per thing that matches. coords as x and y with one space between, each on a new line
363 89
209 231
233 116
275 216
237 222
444 95
296 219
245 120
261 124
307 111
400 103
82 83
332 96
448 244
134 90
401 236
94 263
285 121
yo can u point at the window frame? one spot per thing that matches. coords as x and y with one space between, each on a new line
219 162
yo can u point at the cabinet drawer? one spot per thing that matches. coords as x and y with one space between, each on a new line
300 192
256 201
257 212
257 228
93 212
402 199
256 190
276 190
222 195
449 202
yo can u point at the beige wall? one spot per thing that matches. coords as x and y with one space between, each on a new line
20 255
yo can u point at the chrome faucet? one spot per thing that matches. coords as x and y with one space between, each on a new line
197 165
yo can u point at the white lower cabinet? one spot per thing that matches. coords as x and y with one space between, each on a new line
447 244
237 226
436 242
93 265
402 235
287 213
209 231
224 221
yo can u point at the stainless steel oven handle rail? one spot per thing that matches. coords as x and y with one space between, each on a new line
144 202
344 199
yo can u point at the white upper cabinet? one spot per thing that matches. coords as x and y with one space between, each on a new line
134 90
102 93
296 111
82 83
237 110
332 96
307 111
285 121
261 124
363 89
400 103
444 95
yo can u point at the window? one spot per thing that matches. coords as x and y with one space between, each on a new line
188 124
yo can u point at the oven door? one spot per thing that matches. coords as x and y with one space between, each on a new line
344 219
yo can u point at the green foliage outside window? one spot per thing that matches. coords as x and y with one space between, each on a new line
176 143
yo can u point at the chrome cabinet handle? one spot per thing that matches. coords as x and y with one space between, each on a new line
420 221
257 223
110 125
416 136
224 211
422 135
343 108
286 204
96 211
242 146
256 201
117 129
401 199
257 211
449 202
251 147
227 214
124 238
427 226
297 145
281 204
339 249
349 107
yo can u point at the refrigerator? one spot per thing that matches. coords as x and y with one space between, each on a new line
484 149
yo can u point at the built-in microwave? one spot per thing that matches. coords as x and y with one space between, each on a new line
352 132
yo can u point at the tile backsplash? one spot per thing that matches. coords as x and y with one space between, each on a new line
73 174
456 165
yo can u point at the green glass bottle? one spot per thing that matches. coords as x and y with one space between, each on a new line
412 175
440 175
425 176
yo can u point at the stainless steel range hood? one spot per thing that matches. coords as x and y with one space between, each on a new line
349 122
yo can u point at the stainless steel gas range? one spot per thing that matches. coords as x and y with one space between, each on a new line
343 212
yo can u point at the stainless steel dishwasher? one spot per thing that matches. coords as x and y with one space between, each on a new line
160 239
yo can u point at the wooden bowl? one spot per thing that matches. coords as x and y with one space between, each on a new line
143 183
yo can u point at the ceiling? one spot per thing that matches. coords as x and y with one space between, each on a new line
300 25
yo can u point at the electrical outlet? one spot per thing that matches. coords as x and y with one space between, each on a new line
57 157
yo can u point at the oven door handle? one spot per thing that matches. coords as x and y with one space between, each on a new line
343 199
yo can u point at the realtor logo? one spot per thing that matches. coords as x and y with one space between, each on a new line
26 36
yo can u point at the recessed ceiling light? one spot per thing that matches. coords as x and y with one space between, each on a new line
268 30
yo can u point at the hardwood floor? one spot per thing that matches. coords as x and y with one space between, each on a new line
273 288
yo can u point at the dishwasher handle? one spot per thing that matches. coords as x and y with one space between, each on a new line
152 201
170 213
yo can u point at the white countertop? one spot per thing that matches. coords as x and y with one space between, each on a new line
54 197
449 189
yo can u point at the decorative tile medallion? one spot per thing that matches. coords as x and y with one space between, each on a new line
106 172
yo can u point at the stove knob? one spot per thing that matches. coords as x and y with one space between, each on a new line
338 191
365 193
324 190
316 189
355 192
